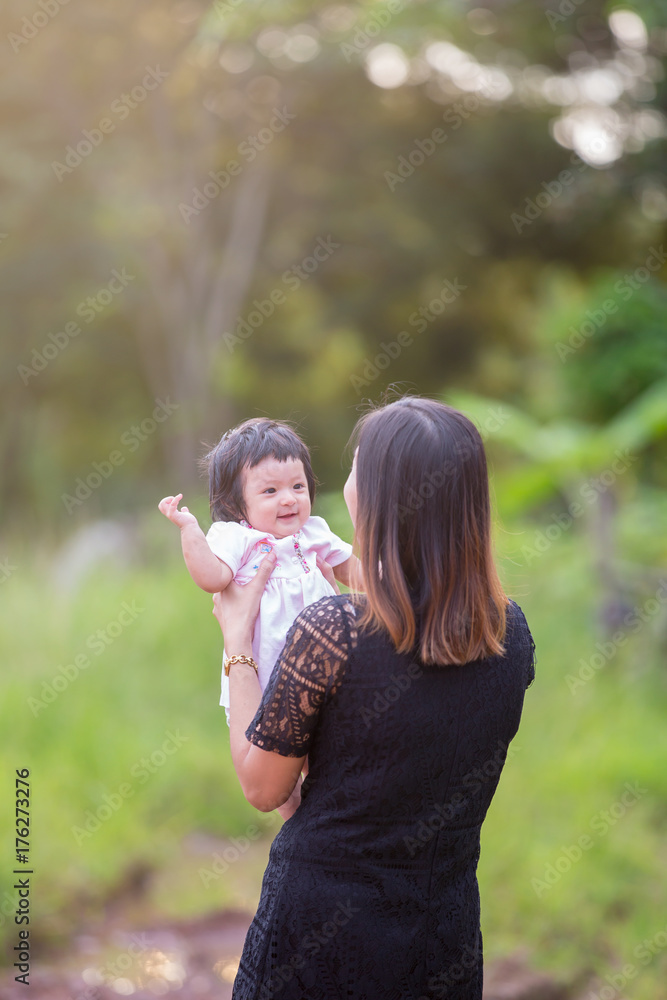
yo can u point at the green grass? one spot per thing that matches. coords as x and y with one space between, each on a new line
104 733
575 754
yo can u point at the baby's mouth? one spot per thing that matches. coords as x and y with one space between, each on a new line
291 514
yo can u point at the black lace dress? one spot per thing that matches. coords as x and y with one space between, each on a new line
371 891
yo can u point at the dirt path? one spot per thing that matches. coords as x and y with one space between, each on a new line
193 960
197 960
129 949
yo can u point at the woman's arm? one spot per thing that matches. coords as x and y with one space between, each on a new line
267 779
349 573
208 572
288 808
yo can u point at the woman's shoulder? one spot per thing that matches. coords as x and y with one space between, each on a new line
332 607
519 642
515 618
332 617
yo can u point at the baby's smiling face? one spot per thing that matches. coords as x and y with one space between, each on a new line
276 496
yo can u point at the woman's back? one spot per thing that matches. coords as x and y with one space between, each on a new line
403 762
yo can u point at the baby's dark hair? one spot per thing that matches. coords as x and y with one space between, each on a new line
246 446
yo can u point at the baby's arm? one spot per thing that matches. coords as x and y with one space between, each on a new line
208 572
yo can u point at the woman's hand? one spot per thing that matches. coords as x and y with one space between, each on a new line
237 607
327 572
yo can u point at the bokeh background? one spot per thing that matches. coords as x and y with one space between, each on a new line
211 212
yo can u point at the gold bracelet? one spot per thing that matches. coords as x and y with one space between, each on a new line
239 659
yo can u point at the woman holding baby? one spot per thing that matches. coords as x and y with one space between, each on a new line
404 701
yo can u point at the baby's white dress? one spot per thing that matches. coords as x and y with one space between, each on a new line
294 583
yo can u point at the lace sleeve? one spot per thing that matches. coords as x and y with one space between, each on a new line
308 671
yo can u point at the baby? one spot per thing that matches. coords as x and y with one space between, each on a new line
261 488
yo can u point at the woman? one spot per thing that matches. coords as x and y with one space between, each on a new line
405 702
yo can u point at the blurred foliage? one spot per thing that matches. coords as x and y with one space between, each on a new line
607 334
627 357
562 452
327 171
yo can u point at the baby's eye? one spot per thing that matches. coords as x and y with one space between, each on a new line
269 489
299 486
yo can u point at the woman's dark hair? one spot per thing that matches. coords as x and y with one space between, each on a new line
423 517
244 447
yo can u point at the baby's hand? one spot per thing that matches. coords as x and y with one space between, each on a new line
169 507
